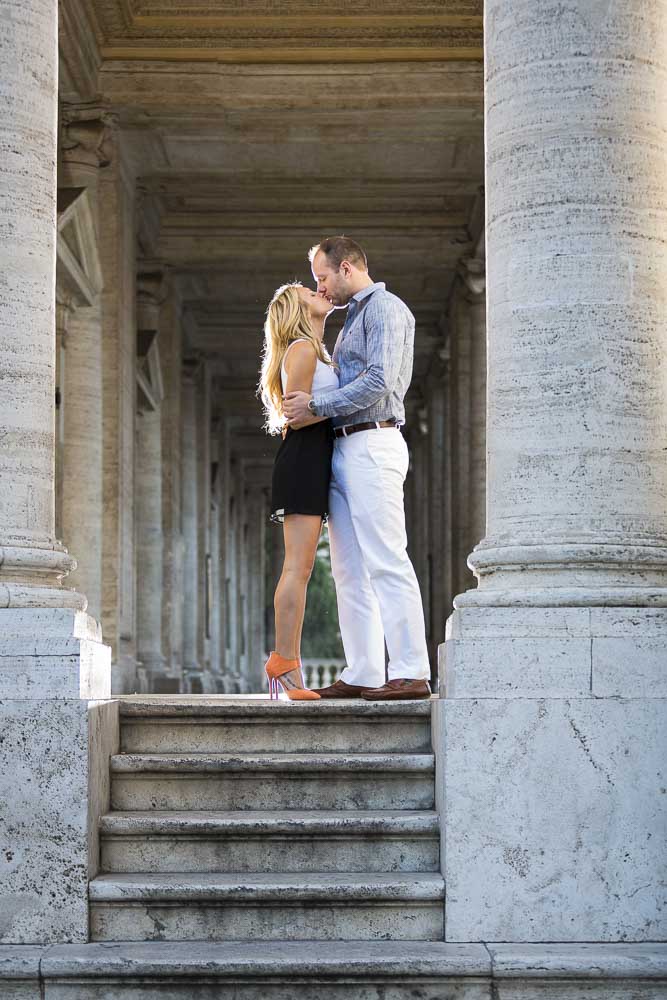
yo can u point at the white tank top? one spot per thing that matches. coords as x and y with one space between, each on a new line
325 376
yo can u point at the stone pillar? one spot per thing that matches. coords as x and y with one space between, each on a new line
216 604
170 411
51 656
554 666
191 667
149 546
242 583
203 521
475 282
63 310
148 480
79 509
117 241
257 512
438 457
82 453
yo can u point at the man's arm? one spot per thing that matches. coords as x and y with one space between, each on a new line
300 365
385 340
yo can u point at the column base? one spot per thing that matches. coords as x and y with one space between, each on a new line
548 573
53 770
31 577
550 747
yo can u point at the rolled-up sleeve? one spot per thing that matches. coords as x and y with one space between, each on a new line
385 324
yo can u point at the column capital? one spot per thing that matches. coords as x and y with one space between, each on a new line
86 134
472 271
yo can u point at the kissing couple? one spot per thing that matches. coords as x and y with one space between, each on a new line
343 458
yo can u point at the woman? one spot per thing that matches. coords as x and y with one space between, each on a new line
294 359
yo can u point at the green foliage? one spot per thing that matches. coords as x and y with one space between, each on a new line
321 635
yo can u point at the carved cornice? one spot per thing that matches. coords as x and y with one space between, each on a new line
289 32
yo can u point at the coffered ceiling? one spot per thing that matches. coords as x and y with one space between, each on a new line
256 127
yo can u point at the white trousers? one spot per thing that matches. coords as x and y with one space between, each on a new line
376 585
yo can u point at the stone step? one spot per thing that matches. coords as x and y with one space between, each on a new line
272 781
247 841
240 970
269 907
181 725
347 970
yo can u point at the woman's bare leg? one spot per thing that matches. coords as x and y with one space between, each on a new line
301 533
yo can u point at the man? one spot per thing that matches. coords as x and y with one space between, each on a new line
376 586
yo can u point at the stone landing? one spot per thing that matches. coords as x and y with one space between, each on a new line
334 971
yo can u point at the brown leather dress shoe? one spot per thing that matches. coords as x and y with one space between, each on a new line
341 690
400 689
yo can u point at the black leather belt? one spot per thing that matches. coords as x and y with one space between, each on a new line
344 431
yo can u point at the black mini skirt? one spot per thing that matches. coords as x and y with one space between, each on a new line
302 472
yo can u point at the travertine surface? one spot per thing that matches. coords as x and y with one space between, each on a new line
577 285
560 837
553 669
32 563
148 485
189 526
82 453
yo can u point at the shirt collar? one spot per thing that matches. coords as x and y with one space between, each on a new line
365 292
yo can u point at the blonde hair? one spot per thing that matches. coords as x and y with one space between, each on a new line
287 320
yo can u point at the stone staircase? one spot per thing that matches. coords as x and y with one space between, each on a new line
243 820
259 851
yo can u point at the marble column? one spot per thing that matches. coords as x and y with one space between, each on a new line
82 452
242 583
438 462
151 288
149 547
215 592
170 411
84 150
233 615
191 667
51 656
203 520
554 665
257 513
118 248
475 282
63 310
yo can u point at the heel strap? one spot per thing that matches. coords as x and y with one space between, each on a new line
278 665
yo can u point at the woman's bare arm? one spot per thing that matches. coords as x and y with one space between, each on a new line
300 366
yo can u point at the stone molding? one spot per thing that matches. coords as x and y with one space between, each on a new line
86 135
272 33
32 578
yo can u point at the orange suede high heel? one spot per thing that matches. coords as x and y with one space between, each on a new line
276 667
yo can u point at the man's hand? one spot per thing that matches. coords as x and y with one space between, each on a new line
295 407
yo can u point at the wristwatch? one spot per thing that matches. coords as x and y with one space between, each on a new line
312 407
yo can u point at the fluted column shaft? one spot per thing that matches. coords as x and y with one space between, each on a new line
32 563
149 543
82 453
189 515
576 141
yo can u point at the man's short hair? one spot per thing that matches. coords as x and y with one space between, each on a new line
336 249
